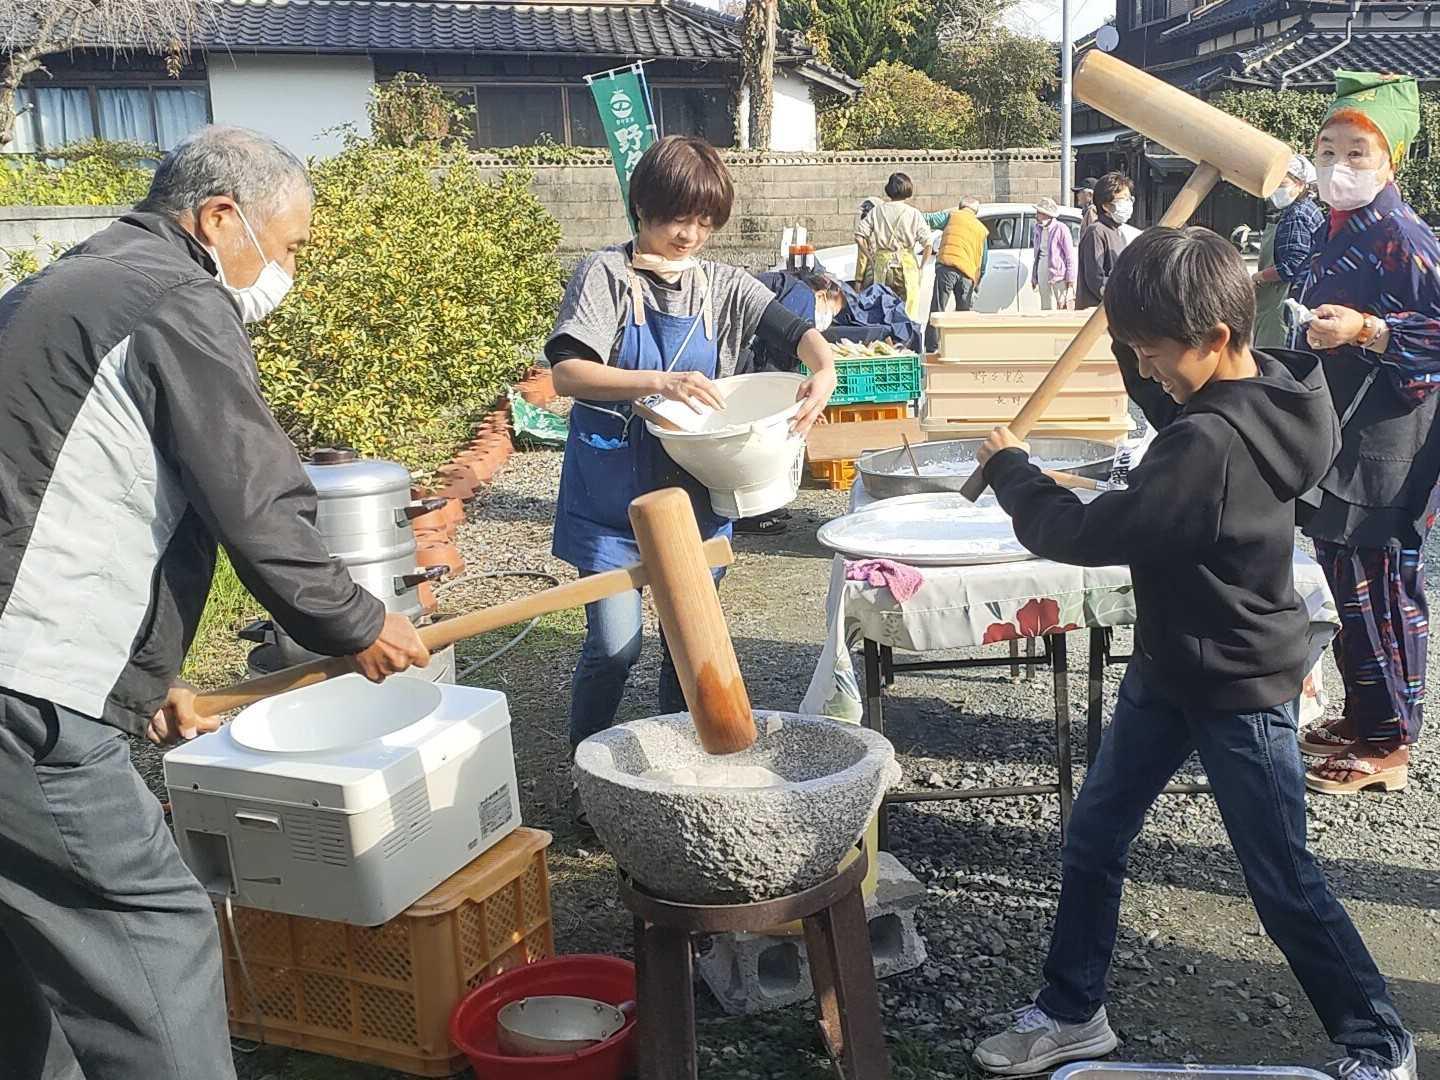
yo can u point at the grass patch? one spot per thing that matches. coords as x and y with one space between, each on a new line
216 656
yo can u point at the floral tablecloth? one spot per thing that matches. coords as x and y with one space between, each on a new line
960 606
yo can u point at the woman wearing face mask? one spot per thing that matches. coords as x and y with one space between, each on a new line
1053 271
638 319
1285 252
1374 286
1102 242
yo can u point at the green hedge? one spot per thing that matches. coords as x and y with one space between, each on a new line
93 173
1294 117
425 291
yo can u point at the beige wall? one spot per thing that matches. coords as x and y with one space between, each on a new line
820 191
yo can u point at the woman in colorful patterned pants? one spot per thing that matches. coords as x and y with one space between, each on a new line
1374 285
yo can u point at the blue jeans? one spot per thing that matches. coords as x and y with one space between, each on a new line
1253 764
614 632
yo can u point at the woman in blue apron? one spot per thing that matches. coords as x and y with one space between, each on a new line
641 319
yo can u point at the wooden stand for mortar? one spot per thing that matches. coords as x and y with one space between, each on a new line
1224 148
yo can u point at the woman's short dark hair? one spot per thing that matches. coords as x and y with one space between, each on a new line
678 177
824 285
1179 284
1109 186
898 187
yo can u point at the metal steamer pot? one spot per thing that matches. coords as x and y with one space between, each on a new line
363 512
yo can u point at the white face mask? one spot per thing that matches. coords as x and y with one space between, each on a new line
823 317
1345 188
1283 196
1122 209
265 295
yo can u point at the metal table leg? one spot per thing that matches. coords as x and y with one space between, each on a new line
1056 645
875 721
1099 643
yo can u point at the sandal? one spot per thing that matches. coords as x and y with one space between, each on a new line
1324 740
1349 774
766 525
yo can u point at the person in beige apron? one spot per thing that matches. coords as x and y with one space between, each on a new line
886 241
1285 252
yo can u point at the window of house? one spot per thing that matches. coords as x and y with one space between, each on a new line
55 116
696 110
517 114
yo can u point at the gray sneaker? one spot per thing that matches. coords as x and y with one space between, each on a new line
1034 1043
1355 1069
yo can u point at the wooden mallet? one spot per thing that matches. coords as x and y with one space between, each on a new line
442 634
695 630
1223 148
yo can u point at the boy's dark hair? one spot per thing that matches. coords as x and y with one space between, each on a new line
1109 186
1179 284
681 175
824 285
899 187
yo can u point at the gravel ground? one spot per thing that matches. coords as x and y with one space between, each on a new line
1195 979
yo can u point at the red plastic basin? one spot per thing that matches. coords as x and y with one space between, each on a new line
604 978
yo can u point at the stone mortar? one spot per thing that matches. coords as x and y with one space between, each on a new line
713 845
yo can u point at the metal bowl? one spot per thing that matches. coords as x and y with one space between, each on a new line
556 1024
887 473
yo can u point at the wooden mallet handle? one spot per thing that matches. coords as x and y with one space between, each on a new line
442 634
1201 181
695 631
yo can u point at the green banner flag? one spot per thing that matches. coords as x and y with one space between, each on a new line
623 98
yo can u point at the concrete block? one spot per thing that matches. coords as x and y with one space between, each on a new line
751 973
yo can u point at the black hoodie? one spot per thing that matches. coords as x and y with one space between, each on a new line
1206 525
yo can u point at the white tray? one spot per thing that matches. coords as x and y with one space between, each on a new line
932 529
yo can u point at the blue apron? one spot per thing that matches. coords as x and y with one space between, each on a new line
610 456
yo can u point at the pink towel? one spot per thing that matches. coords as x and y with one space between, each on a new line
902 581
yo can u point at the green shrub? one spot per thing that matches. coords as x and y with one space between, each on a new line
90 173
424 292
900 108
408 111
1294 116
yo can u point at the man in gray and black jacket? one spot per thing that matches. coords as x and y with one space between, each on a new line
133 437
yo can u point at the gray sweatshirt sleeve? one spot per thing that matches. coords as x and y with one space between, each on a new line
193 371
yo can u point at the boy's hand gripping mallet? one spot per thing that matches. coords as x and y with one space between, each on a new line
1222 147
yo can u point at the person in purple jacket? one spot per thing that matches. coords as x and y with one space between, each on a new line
1053 270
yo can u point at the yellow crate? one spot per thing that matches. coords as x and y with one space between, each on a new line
839 474
383 995
867 410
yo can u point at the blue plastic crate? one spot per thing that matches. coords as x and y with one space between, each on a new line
876 378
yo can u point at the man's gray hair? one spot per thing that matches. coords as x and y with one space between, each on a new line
970 202
256 171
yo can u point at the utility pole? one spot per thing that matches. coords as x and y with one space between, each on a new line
1067 64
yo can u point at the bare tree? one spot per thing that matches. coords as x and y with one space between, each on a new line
757 66
31 30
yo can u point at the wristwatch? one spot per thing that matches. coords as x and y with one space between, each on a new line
1370 330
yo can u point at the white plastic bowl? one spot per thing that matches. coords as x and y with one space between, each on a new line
746 454
335 713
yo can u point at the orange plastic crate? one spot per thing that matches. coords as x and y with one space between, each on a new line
867 410
834 474
383 995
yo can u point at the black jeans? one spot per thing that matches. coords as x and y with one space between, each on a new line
1253 764
109 949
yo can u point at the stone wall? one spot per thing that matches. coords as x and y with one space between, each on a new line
820 191
37 228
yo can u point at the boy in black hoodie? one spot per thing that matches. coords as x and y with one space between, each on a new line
1207 528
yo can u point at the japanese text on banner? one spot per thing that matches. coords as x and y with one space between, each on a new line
623 98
